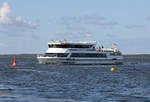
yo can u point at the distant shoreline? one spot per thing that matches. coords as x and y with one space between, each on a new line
18 55
35 55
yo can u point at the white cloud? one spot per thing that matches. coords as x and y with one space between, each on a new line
88 19
14 24
76 28
88 35
131 26
60 32
4 13
19 18
82 26
2 44
97 20
148 18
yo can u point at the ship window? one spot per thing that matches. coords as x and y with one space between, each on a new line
115 54
56 54
69 46
88 55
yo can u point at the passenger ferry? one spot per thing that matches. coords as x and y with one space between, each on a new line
82 53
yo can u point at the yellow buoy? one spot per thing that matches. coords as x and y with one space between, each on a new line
112 69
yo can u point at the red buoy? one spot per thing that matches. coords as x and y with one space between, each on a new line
14 62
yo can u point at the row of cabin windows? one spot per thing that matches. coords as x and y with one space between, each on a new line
88 55
70 46
76 54
56 54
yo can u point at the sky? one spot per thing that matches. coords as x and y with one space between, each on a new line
26 26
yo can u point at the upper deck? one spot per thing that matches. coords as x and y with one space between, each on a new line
64 44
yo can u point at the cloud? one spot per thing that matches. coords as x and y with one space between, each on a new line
82 26
76 28
17 24
148 18
60 32
132 26
2 44
88 34
109 35
4 12
98 20
69 20
87 19
73 34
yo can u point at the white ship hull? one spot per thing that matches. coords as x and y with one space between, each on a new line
78 61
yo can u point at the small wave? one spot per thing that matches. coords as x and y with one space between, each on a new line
20 97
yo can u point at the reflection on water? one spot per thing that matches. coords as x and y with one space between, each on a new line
31 82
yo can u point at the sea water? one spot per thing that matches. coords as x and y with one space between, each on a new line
31 82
